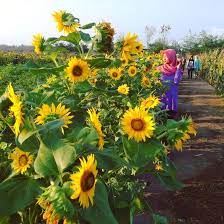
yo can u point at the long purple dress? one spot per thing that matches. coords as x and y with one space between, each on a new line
170 98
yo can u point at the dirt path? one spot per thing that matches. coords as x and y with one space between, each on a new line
201 165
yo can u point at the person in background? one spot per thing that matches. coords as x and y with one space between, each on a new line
171 76
183 63
197 65
190 67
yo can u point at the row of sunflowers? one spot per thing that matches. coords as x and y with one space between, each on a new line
213 68
73 149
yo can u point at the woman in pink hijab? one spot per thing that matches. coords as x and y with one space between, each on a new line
171 76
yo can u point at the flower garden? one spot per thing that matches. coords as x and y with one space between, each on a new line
82 129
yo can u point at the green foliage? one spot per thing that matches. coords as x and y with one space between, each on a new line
139 154
213 69
101 209
17 193
158 219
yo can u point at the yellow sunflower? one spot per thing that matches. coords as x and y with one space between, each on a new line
138 124
78 70
84 181
130 46
132 70
124 61
123 89
38 43
49 113
66 22
186 135
192 127
158 164
115 73
139 48
145 82
21 160
94 120
150 102
16 109
179 145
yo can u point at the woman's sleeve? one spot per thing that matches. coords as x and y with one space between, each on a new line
178 76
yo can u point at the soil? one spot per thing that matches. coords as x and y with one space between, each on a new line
200 166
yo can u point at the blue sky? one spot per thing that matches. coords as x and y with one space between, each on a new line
20 19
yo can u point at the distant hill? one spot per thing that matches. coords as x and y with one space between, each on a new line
15 48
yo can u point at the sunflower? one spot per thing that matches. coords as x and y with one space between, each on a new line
66 22
158 164
130 46
124 61
145 82
132 70
21 160
84 181
94 120
139 48
115 73
179 145
150 102
49 113
38 43
192 127
138 124
78 70
16 109
186 135
123 89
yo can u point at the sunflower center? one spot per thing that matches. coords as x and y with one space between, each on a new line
114 74
23 160
77 71
137 124
51 117
132 71
146 81
87 181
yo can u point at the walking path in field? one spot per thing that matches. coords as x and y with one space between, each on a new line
201 164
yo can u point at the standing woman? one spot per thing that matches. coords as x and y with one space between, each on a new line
197 66
171 76
190 67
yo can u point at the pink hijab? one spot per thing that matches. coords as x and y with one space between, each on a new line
171 66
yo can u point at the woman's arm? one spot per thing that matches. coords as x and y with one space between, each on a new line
178 75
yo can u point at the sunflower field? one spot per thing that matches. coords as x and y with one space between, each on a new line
73 146
213 68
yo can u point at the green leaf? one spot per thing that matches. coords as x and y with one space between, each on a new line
139 154
88 26
170 183
35 69
100 212
99 62
108 159
54 158
88 135
85 36
45 164
83 87
168 176
27 141
73 38
17 193
158 219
